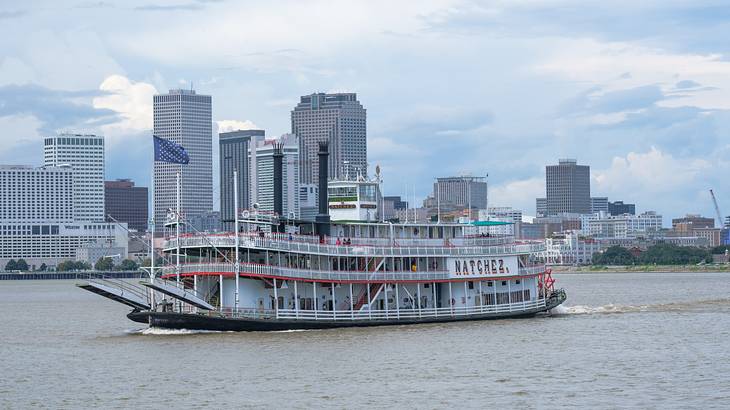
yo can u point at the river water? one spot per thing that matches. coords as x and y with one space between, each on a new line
633 340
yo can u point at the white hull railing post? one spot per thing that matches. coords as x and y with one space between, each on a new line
509 295
435 304
334 302
276 300
370 313
316 301
220 292
418 295
466 296
481 298
451 299
385 289
494 286
296 300
397 302
352 306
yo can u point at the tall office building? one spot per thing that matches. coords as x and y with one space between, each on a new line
339 119
261 172
185 118
568 188
125 202
85 155
234 148
455 193
599 204
37 218
620 208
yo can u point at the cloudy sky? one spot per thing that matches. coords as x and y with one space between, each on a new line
637 90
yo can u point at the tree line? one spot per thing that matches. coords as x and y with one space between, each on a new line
659 254
102 264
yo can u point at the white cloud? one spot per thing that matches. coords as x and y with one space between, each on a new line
518 194
132 100
649 174
235 125
594 62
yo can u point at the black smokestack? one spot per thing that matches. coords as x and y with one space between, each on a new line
278 179
323 218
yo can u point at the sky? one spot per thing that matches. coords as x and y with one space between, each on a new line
637 90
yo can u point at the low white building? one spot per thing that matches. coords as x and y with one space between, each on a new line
37 218
569 249
601 225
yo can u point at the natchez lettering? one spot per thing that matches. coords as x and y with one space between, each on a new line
480 267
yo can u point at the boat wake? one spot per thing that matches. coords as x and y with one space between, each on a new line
158 331
660 307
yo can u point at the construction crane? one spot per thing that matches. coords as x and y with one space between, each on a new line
717 208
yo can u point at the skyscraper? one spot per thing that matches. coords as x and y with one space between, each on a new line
85 155
126 203
234 148
568 188
457 193
339 119
261 171
185 118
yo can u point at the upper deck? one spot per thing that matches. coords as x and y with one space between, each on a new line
374 247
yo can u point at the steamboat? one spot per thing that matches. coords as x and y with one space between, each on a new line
347 268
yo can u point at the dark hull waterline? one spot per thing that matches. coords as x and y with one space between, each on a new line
192 321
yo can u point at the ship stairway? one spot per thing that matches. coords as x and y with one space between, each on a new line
118 291
185 295
362 299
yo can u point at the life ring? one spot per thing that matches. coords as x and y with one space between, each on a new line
245 214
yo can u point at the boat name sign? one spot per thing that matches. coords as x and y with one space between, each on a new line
482 267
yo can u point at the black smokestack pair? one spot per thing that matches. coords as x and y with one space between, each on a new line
323 218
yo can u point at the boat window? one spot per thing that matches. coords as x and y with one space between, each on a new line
517 281
471 285
490 284
504 283
367 193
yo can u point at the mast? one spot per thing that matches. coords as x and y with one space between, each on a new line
236 265
152 240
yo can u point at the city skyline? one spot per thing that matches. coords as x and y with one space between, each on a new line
641 103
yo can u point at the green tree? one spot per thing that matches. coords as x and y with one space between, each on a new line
43 267
669 254
720 250
72 265
128 264
21 265
11 265
614 255
104 264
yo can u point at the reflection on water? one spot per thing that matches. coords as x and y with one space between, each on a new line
621 340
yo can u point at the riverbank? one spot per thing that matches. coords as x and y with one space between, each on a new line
642 268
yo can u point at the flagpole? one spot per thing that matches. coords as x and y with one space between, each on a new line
237 266
177 235
152 239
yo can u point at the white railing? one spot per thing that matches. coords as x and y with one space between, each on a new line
269 270
248 241
391 314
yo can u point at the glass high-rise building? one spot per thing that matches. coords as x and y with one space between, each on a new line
568 188
185 118
85 155
234 148
339 119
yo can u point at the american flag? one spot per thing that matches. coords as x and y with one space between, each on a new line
168 151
